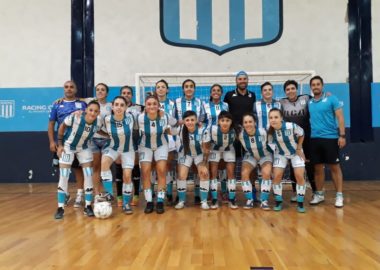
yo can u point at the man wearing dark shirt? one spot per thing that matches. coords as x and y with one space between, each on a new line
240 100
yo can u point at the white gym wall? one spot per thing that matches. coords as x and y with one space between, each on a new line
35 48
127 41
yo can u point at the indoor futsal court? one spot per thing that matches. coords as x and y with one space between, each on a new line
190 134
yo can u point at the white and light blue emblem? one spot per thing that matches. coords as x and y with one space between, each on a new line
220 25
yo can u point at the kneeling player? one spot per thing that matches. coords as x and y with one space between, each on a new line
223 136
286 139
254 141
193 147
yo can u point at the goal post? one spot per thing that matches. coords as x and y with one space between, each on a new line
145 82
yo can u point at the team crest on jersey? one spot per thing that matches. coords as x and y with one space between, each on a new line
191 24
288 132
127 120
303 102
162 122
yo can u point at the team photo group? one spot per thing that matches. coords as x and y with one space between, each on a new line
163 141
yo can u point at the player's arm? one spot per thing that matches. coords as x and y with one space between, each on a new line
342 131
206 146
298 131
61 131
52 145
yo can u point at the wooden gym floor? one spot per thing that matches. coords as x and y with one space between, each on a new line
323 238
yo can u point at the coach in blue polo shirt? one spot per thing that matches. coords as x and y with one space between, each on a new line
326 139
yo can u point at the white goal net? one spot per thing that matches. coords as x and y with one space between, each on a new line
145 82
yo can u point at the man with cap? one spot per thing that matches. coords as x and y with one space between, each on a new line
240 100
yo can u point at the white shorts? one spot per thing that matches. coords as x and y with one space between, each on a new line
282 161
127 158
146 154
84 156
188 160
171 143
227 156
251 160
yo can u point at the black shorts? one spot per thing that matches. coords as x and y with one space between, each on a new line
239 151
306 147
324 151
74 165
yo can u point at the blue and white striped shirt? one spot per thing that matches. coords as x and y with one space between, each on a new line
79 132
168 107
152 132
196 139
120 132
285 139
195 104
256 145
222 141
212 111
261 110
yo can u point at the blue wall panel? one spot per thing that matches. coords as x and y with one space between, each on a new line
376 104
26 109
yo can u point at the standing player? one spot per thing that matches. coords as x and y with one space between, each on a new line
73 136
99 141
295 109
190 103
222 137
167 106
326 139
60 110
119 127
286 139
212 111
254 141
136 109
193 144
262 107
153 126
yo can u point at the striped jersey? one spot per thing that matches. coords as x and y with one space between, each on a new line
261 110
195 104
152 132
212 112
256 145
78 132
196 138
285 139
120 132
168 106
221 141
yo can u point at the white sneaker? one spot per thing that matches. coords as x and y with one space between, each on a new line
78 201
180 205
204 205
232 204
339 201
248 204
214 204
317 199
293 199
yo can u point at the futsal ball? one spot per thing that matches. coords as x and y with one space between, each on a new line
102 210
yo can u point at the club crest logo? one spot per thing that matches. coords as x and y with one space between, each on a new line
221 26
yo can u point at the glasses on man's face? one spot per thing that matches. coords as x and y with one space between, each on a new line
68 86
